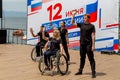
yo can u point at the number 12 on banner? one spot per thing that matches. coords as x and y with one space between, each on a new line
57 14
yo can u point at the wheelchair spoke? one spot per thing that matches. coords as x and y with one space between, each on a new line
41 65
62 65
33 54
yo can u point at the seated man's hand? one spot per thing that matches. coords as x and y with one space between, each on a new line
61 52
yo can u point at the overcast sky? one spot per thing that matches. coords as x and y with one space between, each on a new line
15 5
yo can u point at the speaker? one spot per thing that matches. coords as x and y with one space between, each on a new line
3 35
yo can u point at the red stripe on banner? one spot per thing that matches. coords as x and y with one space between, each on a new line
75 41
50 31
93 16
112 25
71 27
74 44
116 46
32 13
44 1
36 8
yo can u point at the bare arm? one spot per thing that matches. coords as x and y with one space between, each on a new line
43 35
46 45
93 41
72 19
31 30
61 48
67 38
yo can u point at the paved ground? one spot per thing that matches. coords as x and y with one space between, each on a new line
16 64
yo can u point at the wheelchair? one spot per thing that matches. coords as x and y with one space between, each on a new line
58 62
34 54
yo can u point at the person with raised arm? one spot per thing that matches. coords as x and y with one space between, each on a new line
87 42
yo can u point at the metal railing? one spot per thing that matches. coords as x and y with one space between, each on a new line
15 39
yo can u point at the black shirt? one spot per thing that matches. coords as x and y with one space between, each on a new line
86 32
40 36
54 44
63 35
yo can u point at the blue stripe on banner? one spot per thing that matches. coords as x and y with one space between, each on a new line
116 41
29 2
91 7
106 48
36 5
78 19
76 48
70 35
74 34
104 39
110 28
31 39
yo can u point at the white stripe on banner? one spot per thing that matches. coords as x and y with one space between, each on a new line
73 30
29 9
36 1
101 44
70 39
74 38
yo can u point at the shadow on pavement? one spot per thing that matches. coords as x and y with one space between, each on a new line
97 73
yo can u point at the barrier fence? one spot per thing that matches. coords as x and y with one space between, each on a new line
14 38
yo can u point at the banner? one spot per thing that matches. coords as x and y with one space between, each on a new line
105 19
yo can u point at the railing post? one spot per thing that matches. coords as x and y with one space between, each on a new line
12 37
8 34
15 39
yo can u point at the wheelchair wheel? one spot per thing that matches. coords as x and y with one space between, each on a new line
33 54
41 65
62 64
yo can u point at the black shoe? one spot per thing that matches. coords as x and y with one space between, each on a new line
94 75
78 73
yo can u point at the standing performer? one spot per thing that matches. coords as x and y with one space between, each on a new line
64 38
87 43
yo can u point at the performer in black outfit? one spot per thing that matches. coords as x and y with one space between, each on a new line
64 38
43 37
87 43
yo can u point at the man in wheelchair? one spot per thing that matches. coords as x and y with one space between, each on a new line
43 37
54 44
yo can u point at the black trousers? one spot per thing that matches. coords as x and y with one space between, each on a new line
39 47
47 56
65 47
86 49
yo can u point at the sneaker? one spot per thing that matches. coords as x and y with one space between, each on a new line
78 73
47 68
37 59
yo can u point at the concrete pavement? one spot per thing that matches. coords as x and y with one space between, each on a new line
16 64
